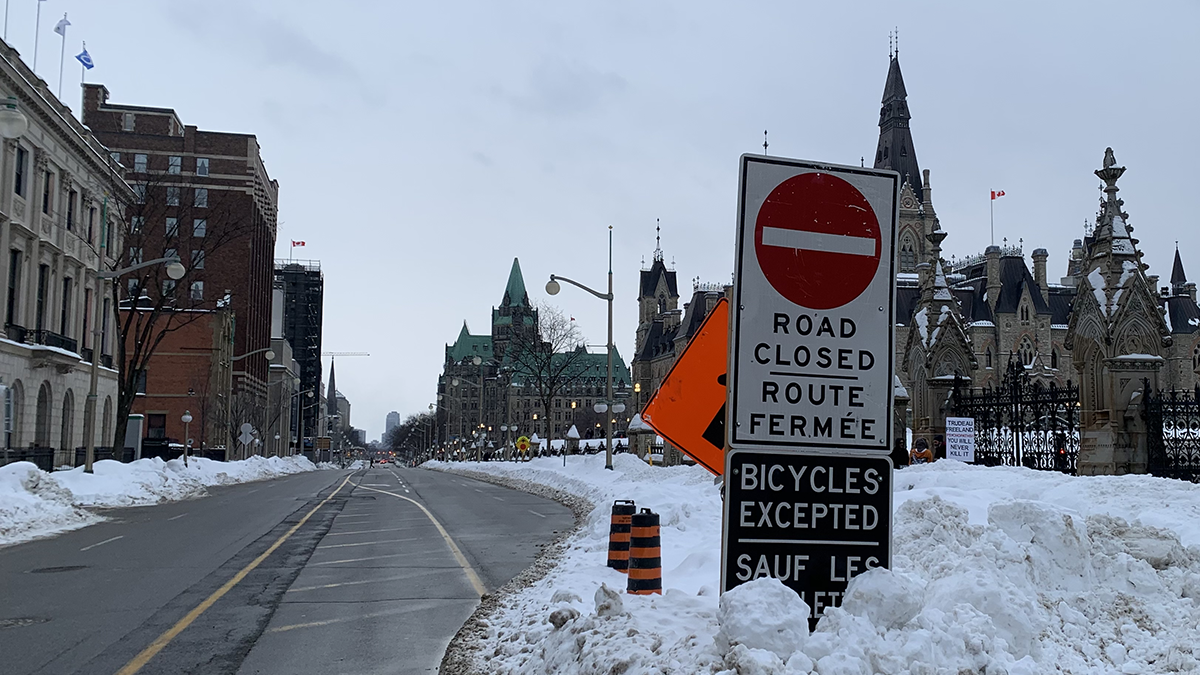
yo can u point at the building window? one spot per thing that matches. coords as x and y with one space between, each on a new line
156 426
170 253
139 163
85 339
201 166
174 164
168 288
71 210
14 278
131 287
136 224
197 290
1054 359
140 386
127 122
104 327
64 326
91 237
139 192
201 198
172 227
908 255
987 358
19 171
197 260
135 255
47 191
172 196
116 157
199 227
43 278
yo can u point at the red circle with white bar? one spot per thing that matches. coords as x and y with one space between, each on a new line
817 241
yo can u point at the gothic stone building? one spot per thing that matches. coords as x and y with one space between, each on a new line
483 387
971 317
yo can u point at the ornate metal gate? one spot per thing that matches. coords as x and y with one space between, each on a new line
1022 422
1173 433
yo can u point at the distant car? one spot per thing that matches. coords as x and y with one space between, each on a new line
383 461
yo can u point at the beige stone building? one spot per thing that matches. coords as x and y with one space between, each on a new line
58 186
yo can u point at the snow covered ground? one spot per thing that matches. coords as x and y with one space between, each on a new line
1000 570
35 504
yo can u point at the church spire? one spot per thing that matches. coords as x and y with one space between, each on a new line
895 150
514 292
1178 278
331 392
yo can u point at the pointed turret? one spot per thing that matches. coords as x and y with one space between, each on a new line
1178 278
896 151
514 292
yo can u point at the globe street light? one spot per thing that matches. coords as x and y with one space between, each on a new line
13 123
553 287
187 439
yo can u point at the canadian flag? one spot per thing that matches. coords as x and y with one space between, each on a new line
997 193
300 243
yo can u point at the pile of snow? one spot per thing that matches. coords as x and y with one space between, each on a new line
996 570
34 503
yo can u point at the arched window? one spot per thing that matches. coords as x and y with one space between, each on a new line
106 427
662 303
1024 313
41 429
1027 352
1054 359
66 435
908 254
885 152
987 358
1196 357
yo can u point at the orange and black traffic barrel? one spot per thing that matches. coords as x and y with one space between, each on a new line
618 534
645 557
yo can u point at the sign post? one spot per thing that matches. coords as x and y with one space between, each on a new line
808 479
960 439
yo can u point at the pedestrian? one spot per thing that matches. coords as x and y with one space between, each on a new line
939 447
899 455
920 453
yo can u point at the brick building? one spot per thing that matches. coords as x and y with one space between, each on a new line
206 197
190 371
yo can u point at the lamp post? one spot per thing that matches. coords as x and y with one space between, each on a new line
187 438
175 270
553 287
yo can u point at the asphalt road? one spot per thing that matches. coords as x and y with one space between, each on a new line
323 572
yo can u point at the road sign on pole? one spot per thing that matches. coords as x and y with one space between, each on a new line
812 357
689 407
811 521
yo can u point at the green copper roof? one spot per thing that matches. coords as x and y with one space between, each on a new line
514 293
468 345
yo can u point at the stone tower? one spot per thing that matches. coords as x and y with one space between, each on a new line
658 297
1117 337
515 315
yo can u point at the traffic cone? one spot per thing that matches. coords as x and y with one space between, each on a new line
645 556
618 534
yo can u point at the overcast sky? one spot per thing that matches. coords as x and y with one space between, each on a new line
420 147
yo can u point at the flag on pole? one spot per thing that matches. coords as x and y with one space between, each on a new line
297 243
996 194
61 26
86 59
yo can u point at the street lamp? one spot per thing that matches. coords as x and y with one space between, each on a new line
269 353
553 287
187 439
13 123
175 270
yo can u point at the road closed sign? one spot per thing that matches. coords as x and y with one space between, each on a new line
812 339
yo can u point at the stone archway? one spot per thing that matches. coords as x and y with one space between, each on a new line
42 415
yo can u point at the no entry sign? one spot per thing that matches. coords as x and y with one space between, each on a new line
811 521
812 337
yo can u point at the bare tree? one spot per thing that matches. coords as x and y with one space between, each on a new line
548 360
410 437
167 217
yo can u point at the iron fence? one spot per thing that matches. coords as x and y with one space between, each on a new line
1172 432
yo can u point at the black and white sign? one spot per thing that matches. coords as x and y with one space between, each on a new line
960 438
812 350
811 521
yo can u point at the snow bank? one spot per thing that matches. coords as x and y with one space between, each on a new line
996 570
34 503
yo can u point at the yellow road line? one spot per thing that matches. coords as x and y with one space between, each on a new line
139 661
458 556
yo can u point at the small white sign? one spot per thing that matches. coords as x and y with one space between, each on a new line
960 438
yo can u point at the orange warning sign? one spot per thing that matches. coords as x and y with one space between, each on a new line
688 410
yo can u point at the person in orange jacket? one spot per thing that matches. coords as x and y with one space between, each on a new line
920 454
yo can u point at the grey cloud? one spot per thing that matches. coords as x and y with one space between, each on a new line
559 88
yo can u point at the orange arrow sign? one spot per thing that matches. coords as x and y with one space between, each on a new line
689 408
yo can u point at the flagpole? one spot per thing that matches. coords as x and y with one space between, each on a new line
992 205
62 52
6 20
37 34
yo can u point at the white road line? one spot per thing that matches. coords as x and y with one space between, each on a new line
326 622
86 548
361 581
818 241
386 529
368 543
374 557
479 491
499 499
536 513
177 517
